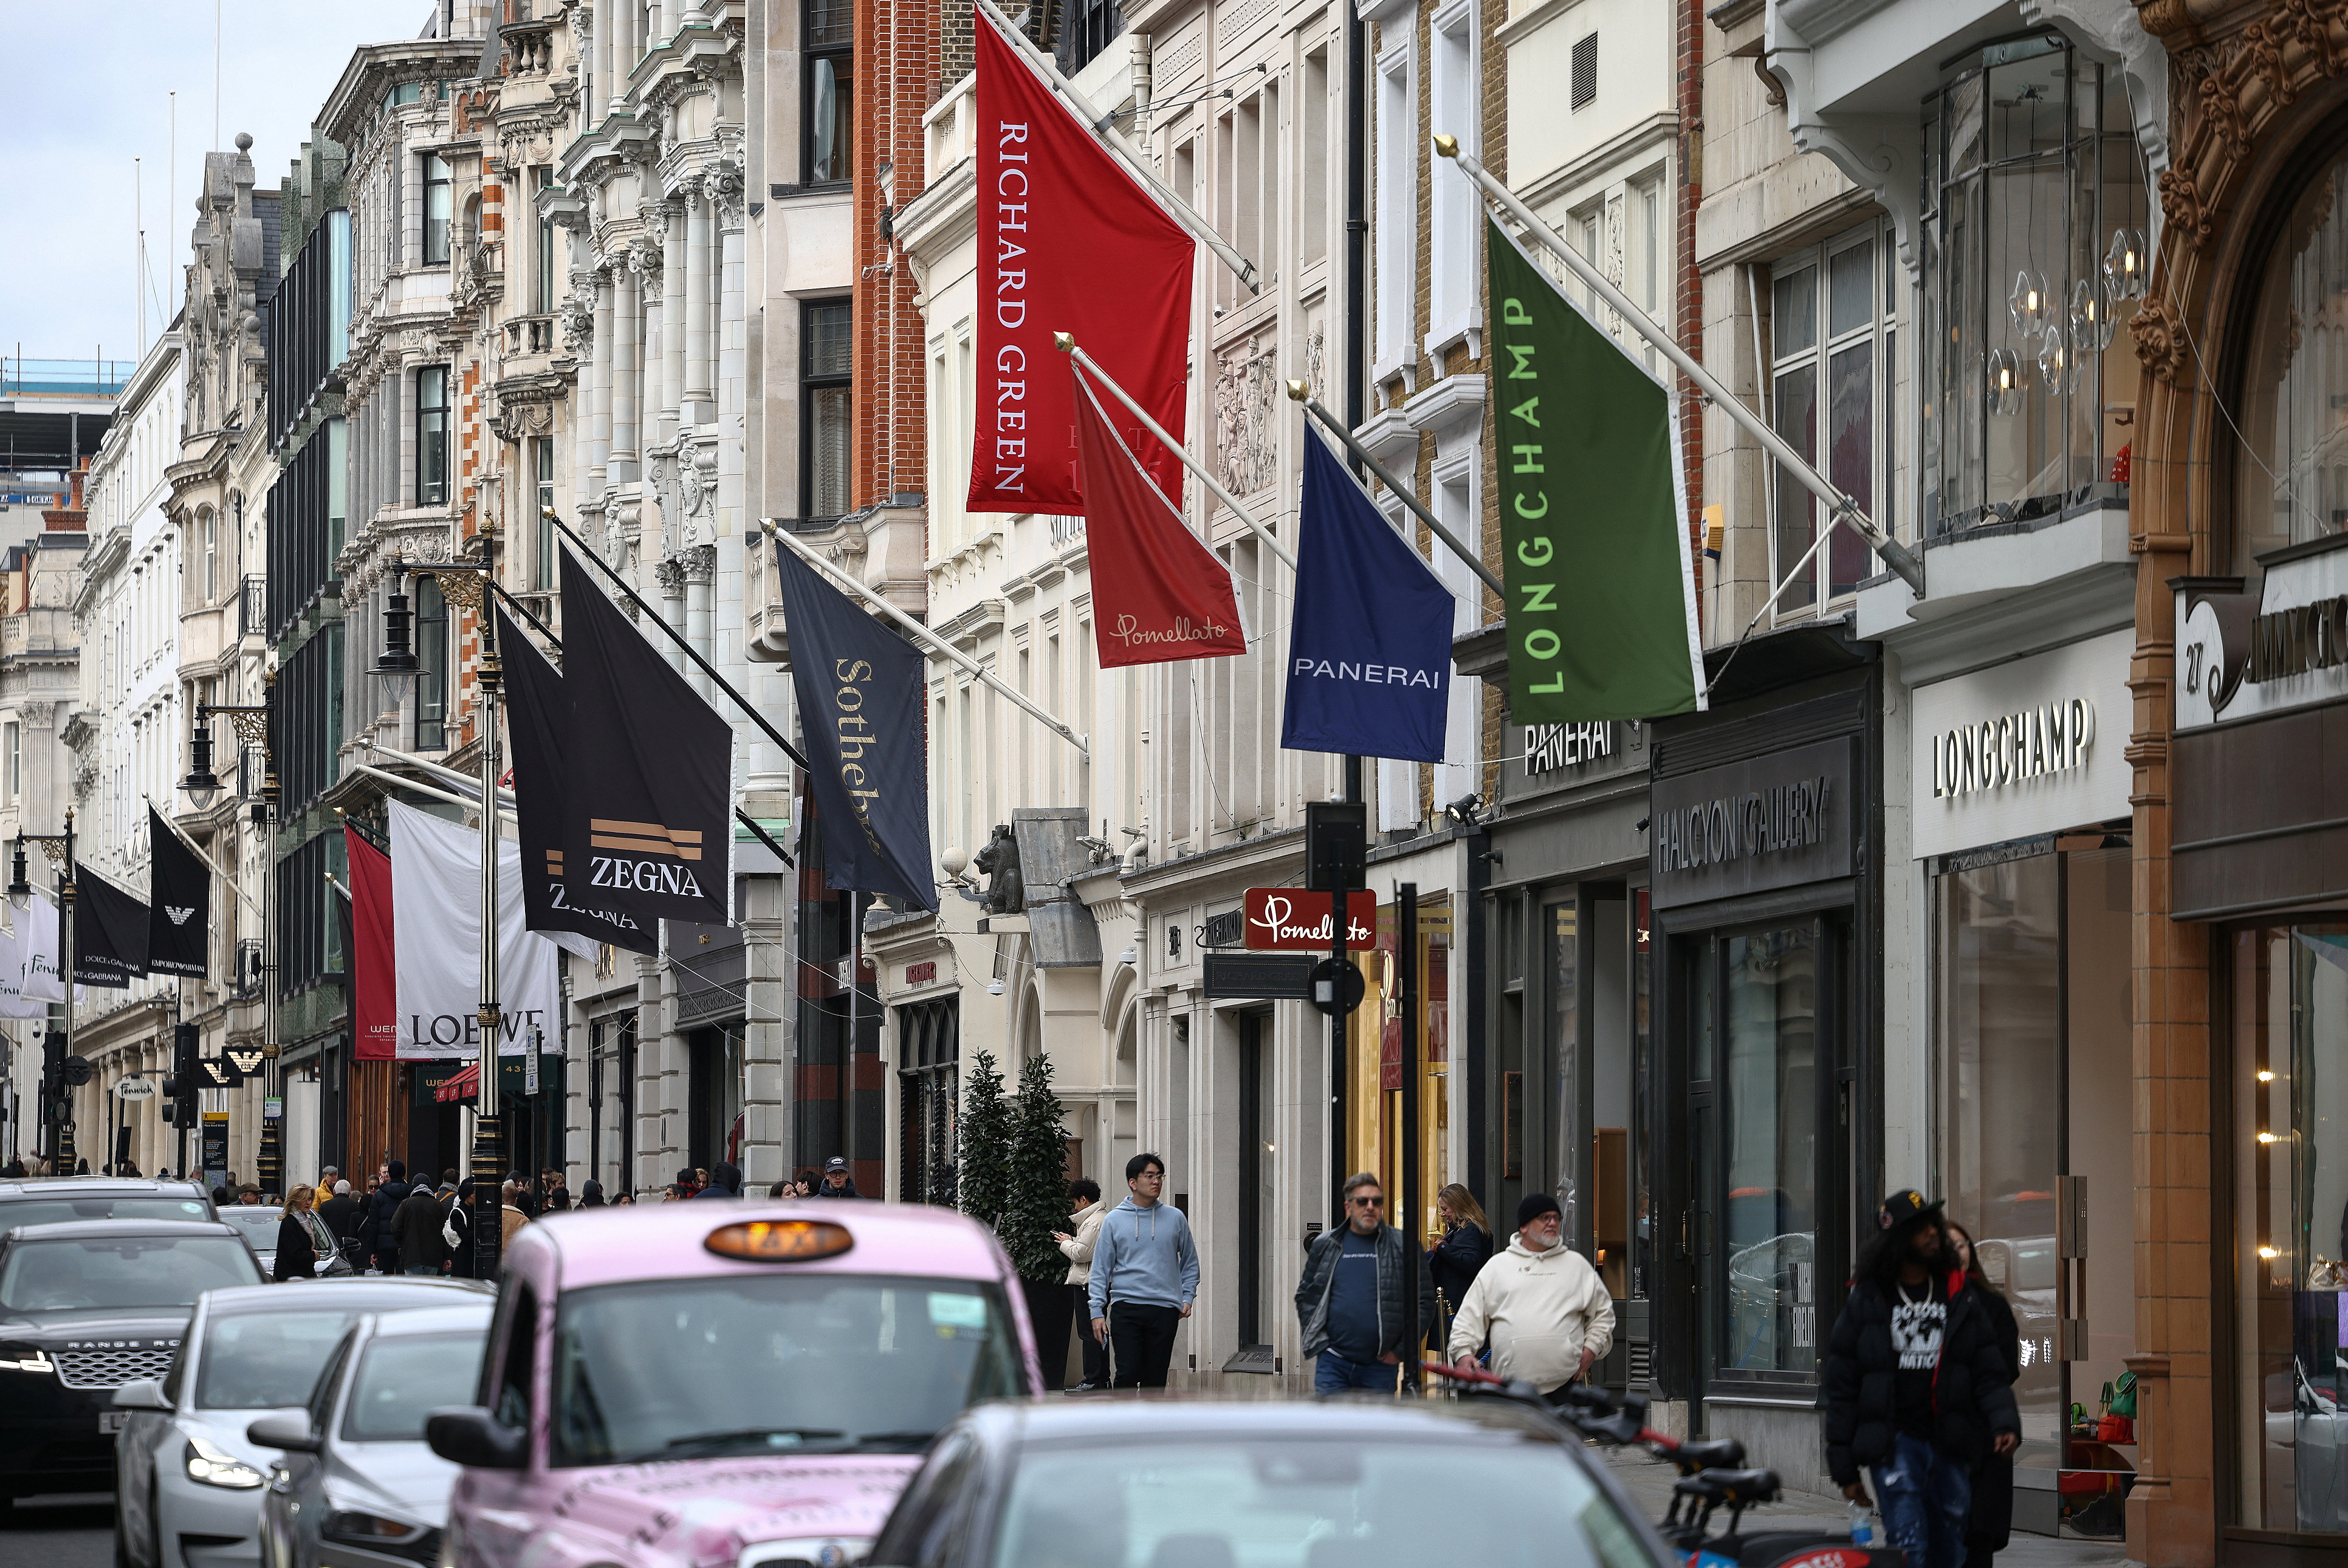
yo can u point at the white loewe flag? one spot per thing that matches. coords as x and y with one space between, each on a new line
36 960
435 896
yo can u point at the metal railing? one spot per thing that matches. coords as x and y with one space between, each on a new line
253 606
64 377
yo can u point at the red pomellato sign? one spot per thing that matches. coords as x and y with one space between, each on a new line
1294 921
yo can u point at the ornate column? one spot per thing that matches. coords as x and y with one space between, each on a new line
698 291
700 566
671 575
627 327
675 313
599 383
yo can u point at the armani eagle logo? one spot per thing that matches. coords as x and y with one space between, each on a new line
178 913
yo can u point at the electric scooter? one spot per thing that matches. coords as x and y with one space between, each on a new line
1712 1479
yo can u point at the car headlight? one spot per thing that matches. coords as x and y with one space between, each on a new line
400 1537
215 1466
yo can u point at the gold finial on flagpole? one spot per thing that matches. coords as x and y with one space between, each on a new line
1299 391
1065 342
1448 146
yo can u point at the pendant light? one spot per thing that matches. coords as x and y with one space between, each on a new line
2005 382
2126 264
2091 315
2027 303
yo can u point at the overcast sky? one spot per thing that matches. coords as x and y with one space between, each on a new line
81 104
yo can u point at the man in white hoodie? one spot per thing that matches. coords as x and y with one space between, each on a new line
1539 1304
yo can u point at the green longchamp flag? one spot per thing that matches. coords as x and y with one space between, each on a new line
1601 591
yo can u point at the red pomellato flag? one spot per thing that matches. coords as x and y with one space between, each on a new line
1068 242
1159 594
375 1001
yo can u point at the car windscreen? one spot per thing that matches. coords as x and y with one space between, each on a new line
406 1377
50 1211
1322 1500
776 1363
102 1273
259 1225
265 1360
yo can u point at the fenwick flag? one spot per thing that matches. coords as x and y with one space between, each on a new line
1369 651
1601 591
374 994
178 924
861 696
648 823
1159 594
1068 242
110 933
537 712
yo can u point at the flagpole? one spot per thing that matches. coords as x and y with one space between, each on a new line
1841 508
1134 161
587 553
1214 486
928 639
1302 392
488 1221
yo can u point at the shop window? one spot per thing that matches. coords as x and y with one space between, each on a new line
2290 475
2033 241
2289 1023
928 1046
1769 1103
826 31
1832 338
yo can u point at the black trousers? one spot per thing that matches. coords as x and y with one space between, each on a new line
1096 1353
1143 1338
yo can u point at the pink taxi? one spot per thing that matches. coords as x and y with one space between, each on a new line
723 1384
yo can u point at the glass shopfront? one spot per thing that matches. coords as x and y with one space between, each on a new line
2289 1019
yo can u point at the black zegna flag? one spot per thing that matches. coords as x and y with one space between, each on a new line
862 700
648 822
179 919
110 933
537 712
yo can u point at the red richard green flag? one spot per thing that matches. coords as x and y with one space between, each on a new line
1068 242
375 1010
1159 594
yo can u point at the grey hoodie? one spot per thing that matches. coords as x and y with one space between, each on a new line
1144 1256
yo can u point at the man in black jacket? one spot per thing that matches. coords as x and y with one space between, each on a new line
1917 1386
380 1210
1349 1302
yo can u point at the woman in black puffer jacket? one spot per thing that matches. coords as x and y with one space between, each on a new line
1990 1525
1952 1410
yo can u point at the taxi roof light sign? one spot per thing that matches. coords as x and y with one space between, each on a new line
779 1241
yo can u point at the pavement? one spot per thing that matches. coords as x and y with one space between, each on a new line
1649 1479
76 1531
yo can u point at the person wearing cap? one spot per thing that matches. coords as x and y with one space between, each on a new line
838 1181
1917 1384
1539 1305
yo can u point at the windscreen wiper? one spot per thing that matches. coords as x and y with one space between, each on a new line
713 1442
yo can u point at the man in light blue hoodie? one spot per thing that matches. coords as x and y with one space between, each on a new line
1145 1276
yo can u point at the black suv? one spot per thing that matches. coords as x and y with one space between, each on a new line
86 1308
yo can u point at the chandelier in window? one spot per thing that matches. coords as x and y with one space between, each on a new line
2124 264
2027 305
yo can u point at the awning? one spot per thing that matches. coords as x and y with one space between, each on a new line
462 1085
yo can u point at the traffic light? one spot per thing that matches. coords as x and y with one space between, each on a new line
179 1088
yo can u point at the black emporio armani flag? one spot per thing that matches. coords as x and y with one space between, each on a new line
110 934
648 766
537 712
179 917
862 700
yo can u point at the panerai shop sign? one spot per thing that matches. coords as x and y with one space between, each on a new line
1773 820
2238 657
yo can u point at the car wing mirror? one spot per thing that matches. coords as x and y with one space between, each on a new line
290 1430
141 1394
471 1436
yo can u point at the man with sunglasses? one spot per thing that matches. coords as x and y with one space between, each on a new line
1350 1299
1539 1305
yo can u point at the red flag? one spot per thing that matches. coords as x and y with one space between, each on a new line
1067 242
375 996
1159 594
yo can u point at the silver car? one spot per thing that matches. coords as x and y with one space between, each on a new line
358 1487
188 1480
257 1222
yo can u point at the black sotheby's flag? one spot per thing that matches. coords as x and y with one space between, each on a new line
537 712
648 825
179 917
862 705
110 934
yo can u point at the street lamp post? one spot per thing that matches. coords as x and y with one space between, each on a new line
467 585
255 724
59 848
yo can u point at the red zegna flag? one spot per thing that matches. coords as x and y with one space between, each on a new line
1067 242
1159 594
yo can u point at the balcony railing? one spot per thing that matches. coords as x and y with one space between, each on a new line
253 606
530 334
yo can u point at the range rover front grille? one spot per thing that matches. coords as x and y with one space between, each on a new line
110 1369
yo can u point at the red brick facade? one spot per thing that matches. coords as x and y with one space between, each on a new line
897 80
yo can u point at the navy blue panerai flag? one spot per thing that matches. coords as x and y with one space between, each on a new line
1369 652
862 705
